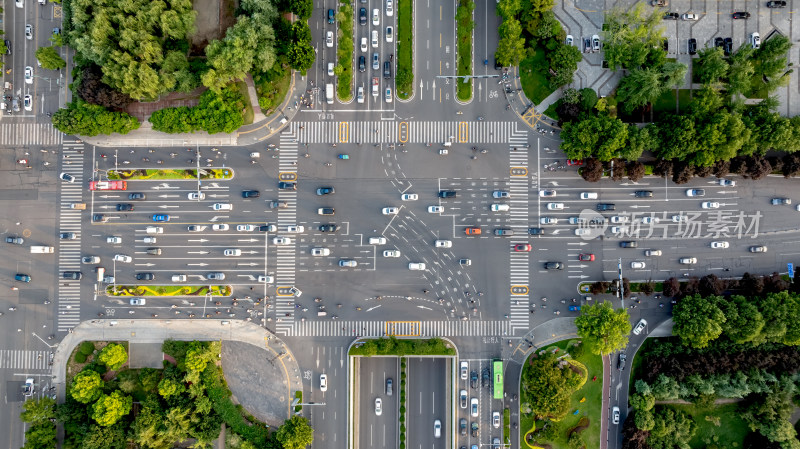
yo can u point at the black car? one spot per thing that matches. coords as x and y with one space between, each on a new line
326 211
504 232
74 275
447 194
553 266
776 4
621 362
387 70
330 227
250 194
473 379
67 236
671 16
283 185
145 276
692 46
606 206
728 48
463 426
99 218
587 45
535 231
268 228
741 15
362 16
719 42
665 44
15 240
643 194
628 244
497 65
136 196
362 64
331 16
8 46
125 207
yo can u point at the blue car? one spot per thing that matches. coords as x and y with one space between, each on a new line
575 308
22 277
160 217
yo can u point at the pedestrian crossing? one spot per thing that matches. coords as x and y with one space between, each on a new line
24 360
339 328
286 259
30 134
69 220
519 263
435 132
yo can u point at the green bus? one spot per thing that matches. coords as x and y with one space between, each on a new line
497 379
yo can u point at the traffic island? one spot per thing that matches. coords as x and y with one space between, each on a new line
189 173
464 25
168 290
405 49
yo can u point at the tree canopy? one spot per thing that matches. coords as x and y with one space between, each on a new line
49 58
109 408
547 385
113 356
295 433
86 386
84 119
603 329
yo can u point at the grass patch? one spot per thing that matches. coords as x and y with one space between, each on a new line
344 52
684 99
551 110
405 49
730 432
299 396
393 346
666 102
464 25
248 107
272 86
205 173
533 75
506 426
169 290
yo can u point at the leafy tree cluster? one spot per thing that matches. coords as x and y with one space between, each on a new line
49 58
603 329
134 42
216 112
113 356
547 384
344 52
769 414
41 434
662 428
92 89
85 119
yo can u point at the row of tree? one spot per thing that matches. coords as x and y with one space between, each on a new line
548 381
216 112
87 119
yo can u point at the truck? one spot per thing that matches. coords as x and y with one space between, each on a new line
329 93
375 86
42 249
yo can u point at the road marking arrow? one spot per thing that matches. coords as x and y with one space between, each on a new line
109 196
250 264
168 196
217 217
200 240
197 252
636 206
197 265
164 206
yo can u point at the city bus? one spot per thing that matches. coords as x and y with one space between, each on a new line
497 379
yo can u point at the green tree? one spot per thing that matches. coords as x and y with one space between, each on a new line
169 387
49 58
86 386
711 66
547 386
37 411
510 51
596 136
720 137
629 38
564 61
84 119
639 141
741 71
247 46
197 357
603 329
771 57
111 407
302 8
113 356
266 8
301 56
743 321
41 436
643 419
509 8
639 88
100 437
301 32
697 320
295 433
678 137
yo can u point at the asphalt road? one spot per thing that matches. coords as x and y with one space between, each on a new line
428 400
378 431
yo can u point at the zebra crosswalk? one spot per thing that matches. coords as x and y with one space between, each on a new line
69 251
339 328
519 269
286 254
482 132
27 134
24 359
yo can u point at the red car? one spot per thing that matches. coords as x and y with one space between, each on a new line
522 247
586 257
473 231
108 185
574 162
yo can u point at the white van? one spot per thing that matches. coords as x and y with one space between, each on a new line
42 250
154 230
101 272
588 195
329 93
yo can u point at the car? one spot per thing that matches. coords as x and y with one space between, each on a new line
363 46
284 185
776 4
376 17
727 183
326 211
719 42
27 102
755 41
758 249
330 69
325 191
587 45
282 241
472 231
639 327
416 266
741 15
522 247
652 252
278 204
671 16
443 244
709 205
387 73
628 244
66 177
409 197
360 95
14 104
145 277
588 195
138 301
548 220
465 262
695 192
501 194
619 219
615 415
618 229
474 433
435 209
650 220
621 361
376 61
583 231
389 8
320 252
502 207
389 34
330 227
245 228
659 2
8 46
250 194
692 46
374 40
636 265
378 406
222 206
67 236
780 201
196 196
680 218
720 244
687 260
535 231
22 277
29 387
15 240
329 39
665 41
349 263
462 398
447 194
388 95
20 3
437 429
28 31
362 16
546 193
323 383
496 420
362 64
100 218
149 240
569 40
504 232
574 308
160 217
137 196
595 43
391 253
125 207
122 258
553 266
220 227
234 252
267 280
295 229
728 47
555 206
689 16
390 210
179 278
586 257
389 386
114 239
643 194
215 276
462 425
576 220
575 162
473 407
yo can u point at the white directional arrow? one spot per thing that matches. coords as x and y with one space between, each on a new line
248 276
168 196
577 243
165 186
164 206
250 264
250 252
109 196
217 217
214 195
636 206
557 231
197 252
198 240
246 240
553 183
197 265
106 207
144 264
726 191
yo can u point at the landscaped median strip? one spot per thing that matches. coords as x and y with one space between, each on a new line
405 49
169 290
464 26
189 173
344 52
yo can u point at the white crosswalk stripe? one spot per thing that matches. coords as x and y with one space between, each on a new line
338 328
286 259
24 360
410 132
69 251
26 134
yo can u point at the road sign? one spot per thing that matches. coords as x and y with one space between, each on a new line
790 266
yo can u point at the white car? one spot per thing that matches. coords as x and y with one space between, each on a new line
496 419
377 240
20 3
588 195
409 197
689 16
378 406
619 219
390 8
688 260
196 228
652 252
388 96
154 230
389 35
28 75
618 229
245 227
615 415
710 205
758 249
350 263
548 220
27 102
569 40
436 209
500 194
649 220
222 206
583 231
720 245
28 31
473 407
138 301
545 193
114 239
295 229
220 227
391 253
329 39
282 241
179 278
680 218
390 210
197 196
320 252
464 369
502 207
29 387
363 45
755 40
727 183
443 244
150 240
637 265
267 280
323 382
376 17
122 258
330 69
639 327
232 252
374 39
416 266
555 206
